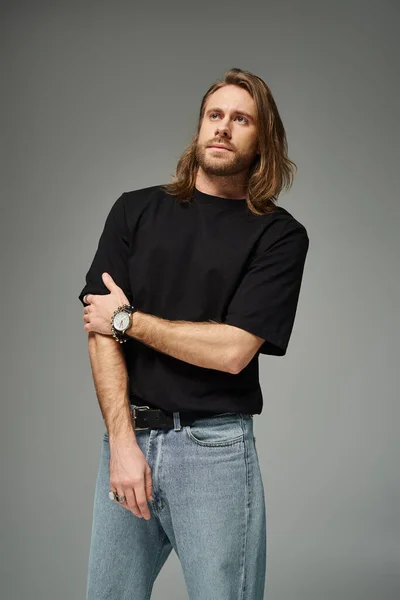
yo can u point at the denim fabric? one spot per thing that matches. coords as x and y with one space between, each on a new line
208 505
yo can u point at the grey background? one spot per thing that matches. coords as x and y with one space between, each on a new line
100 99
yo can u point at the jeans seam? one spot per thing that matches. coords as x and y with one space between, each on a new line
247 514
151 579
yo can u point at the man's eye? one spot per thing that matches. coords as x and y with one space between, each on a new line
238 117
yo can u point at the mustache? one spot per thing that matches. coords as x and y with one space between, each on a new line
223 142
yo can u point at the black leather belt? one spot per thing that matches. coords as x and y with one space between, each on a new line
144 417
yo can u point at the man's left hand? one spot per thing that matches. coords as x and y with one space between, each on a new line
97 315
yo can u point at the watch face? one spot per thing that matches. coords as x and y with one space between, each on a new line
121 321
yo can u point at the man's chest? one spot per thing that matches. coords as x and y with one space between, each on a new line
186 265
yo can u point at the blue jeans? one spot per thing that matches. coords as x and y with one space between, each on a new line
208 505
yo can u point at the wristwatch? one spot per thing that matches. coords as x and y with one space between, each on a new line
121 321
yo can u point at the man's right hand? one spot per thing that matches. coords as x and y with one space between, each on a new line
130 476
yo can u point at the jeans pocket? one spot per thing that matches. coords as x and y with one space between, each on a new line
222 430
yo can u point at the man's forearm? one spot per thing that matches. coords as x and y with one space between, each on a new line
205 344
111 383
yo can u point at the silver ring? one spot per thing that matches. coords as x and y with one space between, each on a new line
114 496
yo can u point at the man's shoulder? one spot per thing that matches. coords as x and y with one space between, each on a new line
278 225
286 221
280 222
137 201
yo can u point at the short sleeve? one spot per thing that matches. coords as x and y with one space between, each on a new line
111 255
266 299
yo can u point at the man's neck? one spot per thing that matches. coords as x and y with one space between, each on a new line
233 186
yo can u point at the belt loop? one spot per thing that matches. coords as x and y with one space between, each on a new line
177 421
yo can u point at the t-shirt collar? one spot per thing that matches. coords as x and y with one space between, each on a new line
203 198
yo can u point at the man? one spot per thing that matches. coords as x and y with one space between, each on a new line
190 282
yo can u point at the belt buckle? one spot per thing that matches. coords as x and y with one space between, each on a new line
135 408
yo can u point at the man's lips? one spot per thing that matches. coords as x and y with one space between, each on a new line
220 147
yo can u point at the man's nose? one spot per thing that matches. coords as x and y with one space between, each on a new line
223 130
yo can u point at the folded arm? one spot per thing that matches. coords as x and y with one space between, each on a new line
206 344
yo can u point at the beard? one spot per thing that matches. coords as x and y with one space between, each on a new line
223 164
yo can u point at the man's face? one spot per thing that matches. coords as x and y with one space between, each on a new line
229 119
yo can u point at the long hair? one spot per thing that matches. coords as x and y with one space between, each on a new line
272 170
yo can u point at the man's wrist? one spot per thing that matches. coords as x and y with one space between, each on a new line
122 436
130 332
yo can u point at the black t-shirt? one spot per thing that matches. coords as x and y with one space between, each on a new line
210 260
